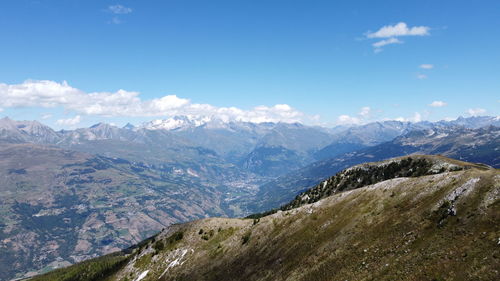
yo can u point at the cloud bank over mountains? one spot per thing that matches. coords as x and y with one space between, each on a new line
50 94
78 105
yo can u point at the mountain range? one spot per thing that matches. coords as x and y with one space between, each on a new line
105 187
266 149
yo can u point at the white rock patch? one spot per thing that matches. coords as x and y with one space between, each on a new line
388 184
175 259
436 167
464 189
142 275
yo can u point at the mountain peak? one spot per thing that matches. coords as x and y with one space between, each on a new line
100 125
7 122
129 126
176 123
27 131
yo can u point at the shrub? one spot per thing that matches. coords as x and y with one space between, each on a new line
246 238
159 246
208 234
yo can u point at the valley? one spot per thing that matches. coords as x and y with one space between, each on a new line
69 196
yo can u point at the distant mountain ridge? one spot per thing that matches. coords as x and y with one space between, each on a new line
184 122
254 147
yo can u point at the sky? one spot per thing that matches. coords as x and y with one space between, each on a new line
71 63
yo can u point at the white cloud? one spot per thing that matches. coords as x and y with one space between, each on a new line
421 76
476 111
393 31
365 111
119 9
70 121
284 107
362 117
426 66
50 94
438 103
384 42
167 103
348 120
46 116
416 117
399 29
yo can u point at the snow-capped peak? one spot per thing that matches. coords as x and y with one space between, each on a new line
177 123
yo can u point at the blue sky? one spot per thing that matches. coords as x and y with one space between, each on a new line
64 62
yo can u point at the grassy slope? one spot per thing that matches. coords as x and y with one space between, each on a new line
400 229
